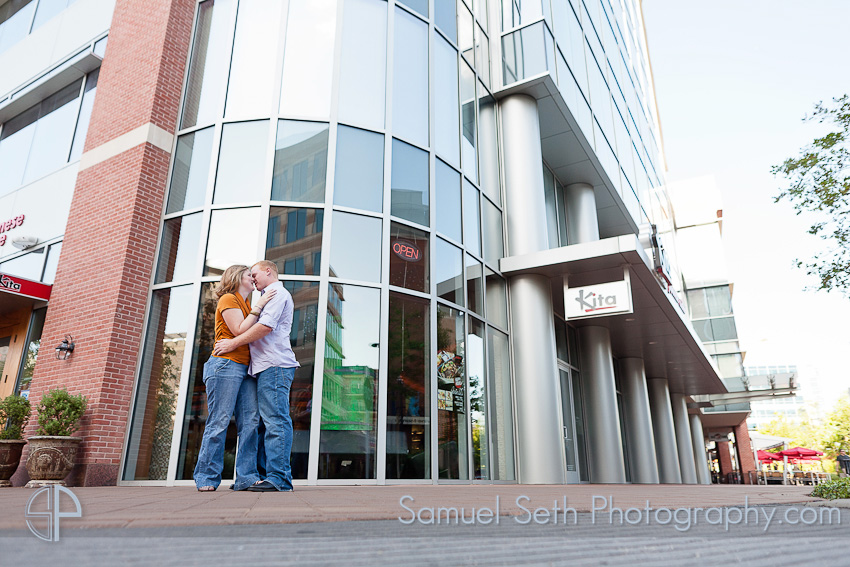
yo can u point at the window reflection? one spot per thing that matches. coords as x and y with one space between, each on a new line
356 247
445 16
494 246
191 171
51 263
489 149
482 55
409 197
409 258
359 175
294 240
410 78
205 85
242 162
85 115
474 285
469 129
15 19
31 356
27 266
149 445
420 6
448 201
499 386
408 452
233 238
363 64
471 231
477 399
249 90
350 383
497 298
448 272
308 59
451 394
464 32
179 249
446 109
300 161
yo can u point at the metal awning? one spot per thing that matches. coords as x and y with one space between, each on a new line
658 330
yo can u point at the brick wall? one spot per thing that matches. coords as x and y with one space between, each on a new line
104 272
724 458
746 459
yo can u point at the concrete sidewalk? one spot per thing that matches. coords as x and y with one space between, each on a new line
154 507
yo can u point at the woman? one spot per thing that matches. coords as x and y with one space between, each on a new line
229 387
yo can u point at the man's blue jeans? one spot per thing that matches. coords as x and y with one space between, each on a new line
273 386
229 390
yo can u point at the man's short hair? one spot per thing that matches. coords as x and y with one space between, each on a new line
267 265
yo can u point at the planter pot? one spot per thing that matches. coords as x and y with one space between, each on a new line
10 456
51 458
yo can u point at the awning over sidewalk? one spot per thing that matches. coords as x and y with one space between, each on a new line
657 331
18 293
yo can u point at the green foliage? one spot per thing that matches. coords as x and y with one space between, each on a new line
819 182
14 414
59 412
834 489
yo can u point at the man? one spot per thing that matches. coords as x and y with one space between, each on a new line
274 364
843 462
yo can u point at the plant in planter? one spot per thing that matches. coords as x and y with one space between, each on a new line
14 415
53 450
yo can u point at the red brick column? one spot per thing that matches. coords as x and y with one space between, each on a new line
724 458
746 459
101 289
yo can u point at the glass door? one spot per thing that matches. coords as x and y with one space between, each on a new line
568 425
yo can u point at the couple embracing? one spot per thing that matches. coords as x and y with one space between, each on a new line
250 374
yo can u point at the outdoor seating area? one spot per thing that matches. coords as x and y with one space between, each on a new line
796 457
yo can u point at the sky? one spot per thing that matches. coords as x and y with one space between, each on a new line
733 81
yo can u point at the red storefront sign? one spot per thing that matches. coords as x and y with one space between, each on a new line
24 287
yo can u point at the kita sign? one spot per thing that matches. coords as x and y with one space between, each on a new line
27 288
598 300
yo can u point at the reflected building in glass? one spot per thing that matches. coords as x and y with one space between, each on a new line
432 178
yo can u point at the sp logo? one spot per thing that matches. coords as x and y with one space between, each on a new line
43 511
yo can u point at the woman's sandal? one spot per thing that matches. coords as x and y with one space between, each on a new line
206 489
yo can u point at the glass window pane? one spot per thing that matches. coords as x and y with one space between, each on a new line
703 329
497 298
356 247
359 176
410 78
482 55
85 115
178 253
51 263
494 245
572 340
409 197
478 400
501 402
294 240
191 171
350 383
28 266
448 201
468 140
474 285
15 18
445 17
449 272
420 6
489 149
300 162
302 337
195 416
446 109
451 402
719 301
561 340
241 162
227 246
308 59
249 90
363 65
15 143
551 208
464 31
698 304
31 356
524 53
408 388
46 10
409 258
149 445
471 231
205 86
724 329
51 143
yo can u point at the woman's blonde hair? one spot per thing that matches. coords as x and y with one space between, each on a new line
230 280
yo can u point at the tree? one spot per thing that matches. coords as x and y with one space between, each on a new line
818 182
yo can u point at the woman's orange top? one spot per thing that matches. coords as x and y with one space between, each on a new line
231 301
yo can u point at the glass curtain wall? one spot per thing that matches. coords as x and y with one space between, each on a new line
384 216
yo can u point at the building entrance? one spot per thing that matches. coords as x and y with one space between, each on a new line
569 426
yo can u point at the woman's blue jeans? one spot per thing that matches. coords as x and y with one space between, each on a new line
229 390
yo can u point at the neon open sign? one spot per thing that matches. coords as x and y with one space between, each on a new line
407 251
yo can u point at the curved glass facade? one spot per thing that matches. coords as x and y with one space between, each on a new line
353 144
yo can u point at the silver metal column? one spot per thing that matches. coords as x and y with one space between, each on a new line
539 437
683 438
643 466
665 432
605 447
700 458
582 222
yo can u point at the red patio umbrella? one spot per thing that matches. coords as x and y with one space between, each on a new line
800 453
765 456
